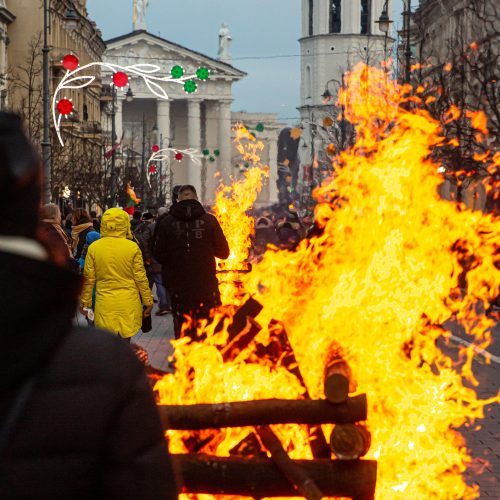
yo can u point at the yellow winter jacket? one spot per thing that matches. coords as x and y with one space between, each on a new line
115 265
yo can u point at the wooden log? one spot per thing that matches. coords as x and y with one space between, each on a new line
259 477
250 308
262 412
241 340
296 476
350 441
338 379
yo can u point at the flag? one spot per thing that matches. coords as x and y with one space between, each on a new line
132 200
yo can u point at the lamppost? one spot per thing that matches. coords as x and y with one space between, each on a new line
71 21
407 48
143 161
327 96
46 106
129 96
384 24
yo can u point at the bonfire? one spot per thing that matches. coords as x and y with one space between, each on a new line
380 281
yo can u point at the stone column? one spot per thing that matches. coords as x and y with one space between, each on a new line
194 139
273 169
163 120
225 138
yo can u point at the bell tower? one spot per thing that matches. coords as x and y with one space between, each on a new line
336 35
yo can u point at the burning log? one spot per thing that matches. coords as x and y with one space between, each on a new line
301 481
338 380
242 339
251 308
259 477
350 441
262 412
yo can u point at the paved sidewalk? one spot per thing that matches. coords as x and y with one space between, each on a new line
484 444
157 341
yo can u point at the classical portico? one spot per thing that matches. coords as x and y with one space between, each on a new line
201 120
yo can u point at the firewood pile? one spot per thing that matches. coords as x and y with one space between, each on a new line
259 466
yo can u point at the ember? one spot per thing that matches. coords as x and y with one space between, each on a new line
378 282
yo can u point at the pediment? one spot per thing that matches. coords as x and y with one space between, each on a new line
142 47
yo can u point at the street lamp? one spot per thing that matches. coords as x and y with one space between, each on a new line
129 96
384 23
46 106
71 18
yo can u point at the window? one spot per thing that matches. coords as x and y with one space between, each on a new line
366 17
308 82
311 19
335 16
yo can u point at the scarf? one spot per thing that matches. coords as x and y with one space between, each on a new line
61 232
75 233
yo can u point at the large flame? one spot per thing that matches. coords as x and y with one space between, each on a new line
380 281
231 205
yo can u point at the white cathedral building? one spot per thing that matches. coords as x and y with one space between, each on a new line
202 121
336 35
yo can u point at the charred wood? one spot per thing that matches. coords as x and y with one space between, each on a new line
350 441
259 477
262 412
294 473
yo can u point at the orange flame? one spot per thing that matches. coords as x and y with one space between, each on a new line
231 204
380 281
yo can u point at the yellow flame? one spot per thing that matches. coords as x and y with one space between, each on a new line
379 281
231 204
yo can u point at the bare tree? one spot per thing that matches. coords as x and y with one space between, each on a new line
459 73
26 87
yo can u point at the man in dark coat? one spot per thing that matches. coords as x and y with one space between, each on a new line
77 416
188 241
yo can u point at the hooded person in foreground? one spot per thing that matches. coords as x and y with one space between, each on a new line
77 417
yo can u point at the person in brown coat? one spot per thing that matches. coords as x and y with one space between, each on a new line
50 224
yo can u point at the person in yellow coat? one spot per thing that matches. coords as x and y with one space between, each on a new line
114 264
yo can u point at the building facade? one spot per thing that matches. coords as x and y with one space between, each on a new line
200 120
6 18
71 32
458 47
266 128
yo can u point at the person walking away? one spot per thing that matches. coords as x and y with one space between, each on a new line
50 226
153 267
114 264
77 417
95 221
81 225
136 221
189 240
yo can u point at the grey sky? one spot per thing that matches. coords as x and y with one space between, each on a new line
258 27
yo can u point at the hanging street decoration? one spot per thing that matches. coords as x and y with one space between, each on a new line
211 156
165 154
151 74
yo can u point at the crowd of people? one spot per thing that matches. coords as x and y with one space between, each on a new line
77 415
78 418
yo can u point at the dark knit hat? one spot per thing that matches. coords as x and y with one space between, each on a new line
147 216
20 179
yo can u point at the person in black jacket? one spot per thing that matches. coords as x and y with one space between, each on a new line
188 241
77 417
